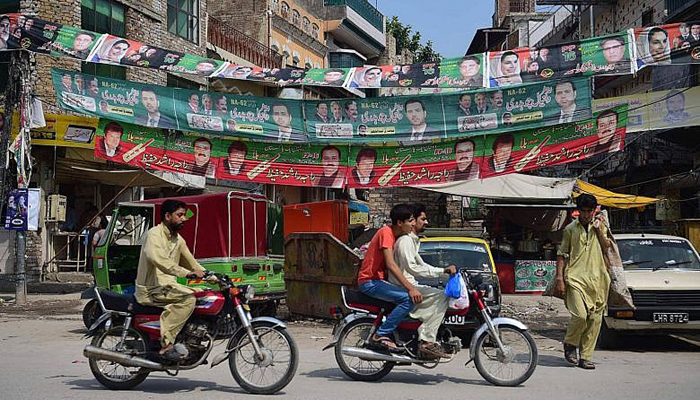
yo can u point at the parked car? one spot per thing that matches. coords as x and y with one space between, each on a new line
473 255
663 275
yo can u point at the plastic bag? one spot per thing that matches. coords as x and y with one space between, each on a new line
453 288
463 301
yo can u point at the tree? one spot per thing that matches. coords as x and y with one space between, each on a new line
411 41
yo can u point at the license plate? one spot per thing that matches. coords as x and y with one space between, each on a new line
671 318
454 320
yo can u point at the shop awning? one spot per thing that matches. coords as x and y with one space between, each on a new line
512 187
143 178
611 199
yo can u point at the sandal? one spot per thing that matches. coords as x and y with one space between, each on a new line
172 355
586 364
570 353
384 343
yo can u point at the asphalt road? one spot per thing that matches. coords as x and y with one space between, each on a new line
41 358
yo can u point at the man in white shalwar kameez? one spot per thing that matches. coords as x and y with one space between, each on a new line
431 310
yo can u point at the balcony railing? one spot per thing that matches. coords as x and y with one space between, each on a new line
238 43
364 8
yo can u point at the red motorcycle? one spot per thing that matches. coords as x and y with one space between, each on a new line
502 349
262 356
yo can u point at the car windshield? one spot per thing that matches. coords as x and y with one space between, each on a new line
472 256
656 254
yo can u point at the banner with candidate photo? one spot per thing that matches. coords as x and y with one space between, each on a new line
542 147
511 109
663 109
424 164
62 131
219 157
677 43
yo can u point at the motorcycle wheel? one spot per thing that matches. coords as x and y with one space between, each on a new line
91 312
355 334
511 368
116 376
275 370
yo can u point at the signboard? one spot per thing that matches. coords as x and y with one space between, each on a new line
533 275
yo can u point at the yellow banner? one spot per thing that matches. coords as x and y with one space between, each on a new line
63 131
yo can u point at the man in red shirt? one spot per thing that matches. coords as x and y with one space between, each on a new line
372 277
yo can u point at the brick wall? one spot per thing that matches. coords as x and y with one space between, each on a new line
627 14
247 16
438 206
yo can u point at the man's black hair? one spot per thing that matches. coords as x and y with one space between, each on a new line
414 100
202 140
170 206
85 33
465 141
586 201
418 208
505 139
237 145
470 58
400 212
607 113
366 152
560 83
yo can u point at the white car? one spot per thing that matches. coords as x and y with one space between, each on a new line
663 275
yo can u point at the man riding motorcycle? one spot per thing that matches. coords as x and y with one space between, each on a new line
431 311
164 257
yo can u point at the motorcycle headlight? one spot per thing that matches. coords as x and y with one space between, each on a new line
249 292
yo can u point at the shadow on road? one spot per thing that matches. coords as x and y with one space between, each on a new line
655 343
546 360
161 385
412 376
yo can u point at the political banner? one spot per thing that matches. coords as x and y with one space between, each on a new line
542 147
663 109
17 210
605 55
219 157
404 119
677 43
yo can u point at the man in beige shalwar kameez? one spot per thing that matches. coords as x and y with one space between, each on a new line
583 278
431 311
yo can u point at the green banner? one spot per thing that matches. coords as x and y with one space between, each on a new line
404 119
533 275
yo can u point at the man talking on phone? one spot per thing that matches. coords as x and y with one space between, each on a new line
583 279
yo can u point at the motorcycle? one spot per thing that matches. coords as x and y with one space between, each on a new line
262 355
502 349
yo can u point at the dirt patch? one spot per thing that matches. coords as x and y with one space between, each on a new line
542 316
42 308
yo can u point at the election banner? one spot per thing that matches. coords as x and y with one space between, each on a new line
17 210
605 55
677 43
663 109
404 119
536 148
219 157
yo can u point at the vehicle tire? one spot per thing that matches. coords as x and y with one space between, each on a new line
355 334
487 351
608 339
115 376
91 312
277 346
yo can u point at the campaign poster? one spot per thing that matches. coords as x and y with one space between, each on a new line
405 119
467 72
281 76
17 210
677 43
336 77
510 109
62 131
266 118
537 148
56 39
423 164
125 101
409 75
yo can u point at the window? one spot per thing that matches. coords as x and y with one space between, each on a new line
648 17
314 31
295 18
274 4
103 16
285 10
183 19
305 25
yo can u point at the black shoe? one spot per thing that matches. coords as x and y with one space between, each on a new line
586 364
172 355
570 353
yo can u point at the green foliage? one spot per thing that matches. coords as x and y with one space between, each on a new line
411 41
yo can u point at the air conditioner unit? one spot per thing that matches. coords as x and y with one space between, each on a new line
56 208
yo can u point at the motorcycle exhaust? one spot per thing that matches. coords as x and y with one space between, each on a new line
370 355
120 358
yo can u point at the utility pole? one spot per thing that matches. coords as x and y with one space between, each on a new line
17 99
